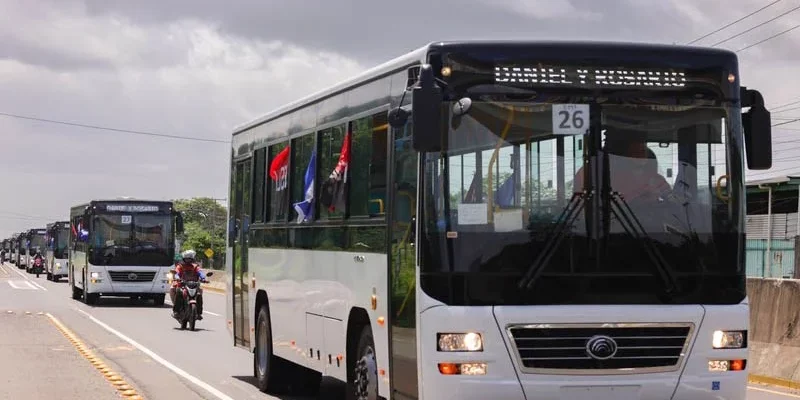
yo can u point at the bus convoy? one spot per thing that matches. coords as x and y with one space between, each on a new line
475 219
116 248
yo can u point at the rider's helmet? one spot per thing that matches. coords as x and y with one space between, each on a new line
188 256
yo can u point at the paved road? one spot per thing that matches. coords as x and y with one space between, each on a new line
141 343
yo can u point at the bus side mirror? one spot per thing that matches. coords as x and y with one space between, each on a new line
757 126
426 103
179 222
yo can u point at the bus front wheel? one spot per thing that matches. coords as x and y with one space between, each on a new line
364 385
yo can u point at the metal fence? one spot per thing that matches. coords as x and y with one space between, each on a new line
781 252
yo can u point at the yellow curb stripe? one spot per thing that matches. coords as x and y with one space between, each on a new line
125 390
766 380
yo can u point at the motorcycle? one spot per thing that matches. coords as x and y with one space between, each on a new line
38 266
190 291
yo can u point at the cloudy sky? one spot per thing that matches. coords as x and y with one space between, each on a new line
197 68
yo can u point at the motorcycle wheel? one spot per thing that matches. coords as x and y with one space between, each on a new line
192 317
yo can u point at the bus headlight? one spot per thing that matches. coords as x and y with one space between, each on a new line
469 341
58 265
728 339
94 275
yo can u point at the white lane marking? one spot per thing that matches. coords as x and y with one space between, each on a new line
38 285
204 311
794 396
14 285
29 279
157 358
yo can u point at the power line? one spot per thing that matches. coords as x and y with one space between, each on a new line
769 38
52 121
787 122
736 22
786 105
757 26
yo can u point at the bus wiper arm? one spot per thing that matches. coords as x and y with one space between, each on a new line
635 229
565 220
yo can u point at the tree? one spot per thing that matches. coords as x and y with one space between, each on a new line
204 211
204 227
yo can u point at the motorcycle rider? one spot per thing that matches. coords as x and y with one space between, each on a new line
187 269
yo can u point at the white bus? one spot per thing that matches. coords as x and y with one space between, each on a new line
36 241
57 258
122 248
20 249
498 220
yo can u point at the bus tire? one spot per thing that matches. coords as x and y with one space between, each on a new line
158 300
76 293
269 370
364 385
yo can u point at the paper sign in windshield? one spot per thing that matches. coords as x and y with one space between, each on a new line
570 119
472 214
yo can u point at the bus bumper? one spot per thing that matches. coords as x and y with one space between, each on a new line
500 374
127 282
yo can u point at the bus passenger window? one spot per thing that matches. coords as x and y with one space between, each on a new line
330 147
302 149
368 166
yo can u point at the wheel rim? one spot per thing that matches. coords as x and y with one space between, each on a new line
262 347
366 376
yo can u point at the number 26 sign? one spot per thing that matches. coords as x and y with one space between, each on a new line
570 119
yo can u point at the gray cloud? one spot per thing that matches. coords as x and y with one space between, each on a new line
198 68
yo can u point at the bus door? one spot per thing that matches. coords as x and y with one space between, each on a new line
403 178
240 213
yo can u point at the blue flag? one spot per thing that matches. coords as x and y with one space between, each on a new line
504 197
305 208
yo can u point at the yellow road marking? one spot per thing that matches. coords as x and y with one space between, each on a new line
124 389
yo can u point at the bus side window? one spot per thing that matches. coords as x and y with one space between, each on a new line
368 165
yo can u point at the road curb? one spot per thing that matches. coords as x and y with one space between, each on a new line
120 385
766 380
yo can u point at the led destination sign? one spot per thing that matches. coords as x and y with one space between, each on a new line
131 208
589 77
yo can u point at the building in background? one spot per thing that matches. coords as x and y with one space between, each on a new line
773 227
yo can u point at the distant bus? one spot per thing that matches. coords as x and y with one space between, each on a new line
15 249
36 242
6 250
502 220
57 258
20 244
122 248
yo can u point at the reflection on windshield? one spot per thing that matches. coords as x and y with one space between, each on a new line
37 243
60 243
649 214
139 239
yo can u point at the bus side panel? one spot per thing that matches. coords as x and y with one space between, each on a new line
280 273
326 284
77 266
229 295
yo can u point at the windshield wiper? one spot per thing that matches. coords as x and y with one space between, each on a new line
665 271
565 220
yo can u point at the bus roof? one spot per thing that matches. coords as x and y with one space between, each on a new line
420 55
412 57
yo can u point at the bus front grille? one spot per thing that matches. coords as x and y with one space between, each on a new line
132 276
600 348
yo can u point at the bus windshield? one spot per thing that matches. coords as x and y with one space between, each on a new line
593 203
38 243
135 239
61 242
